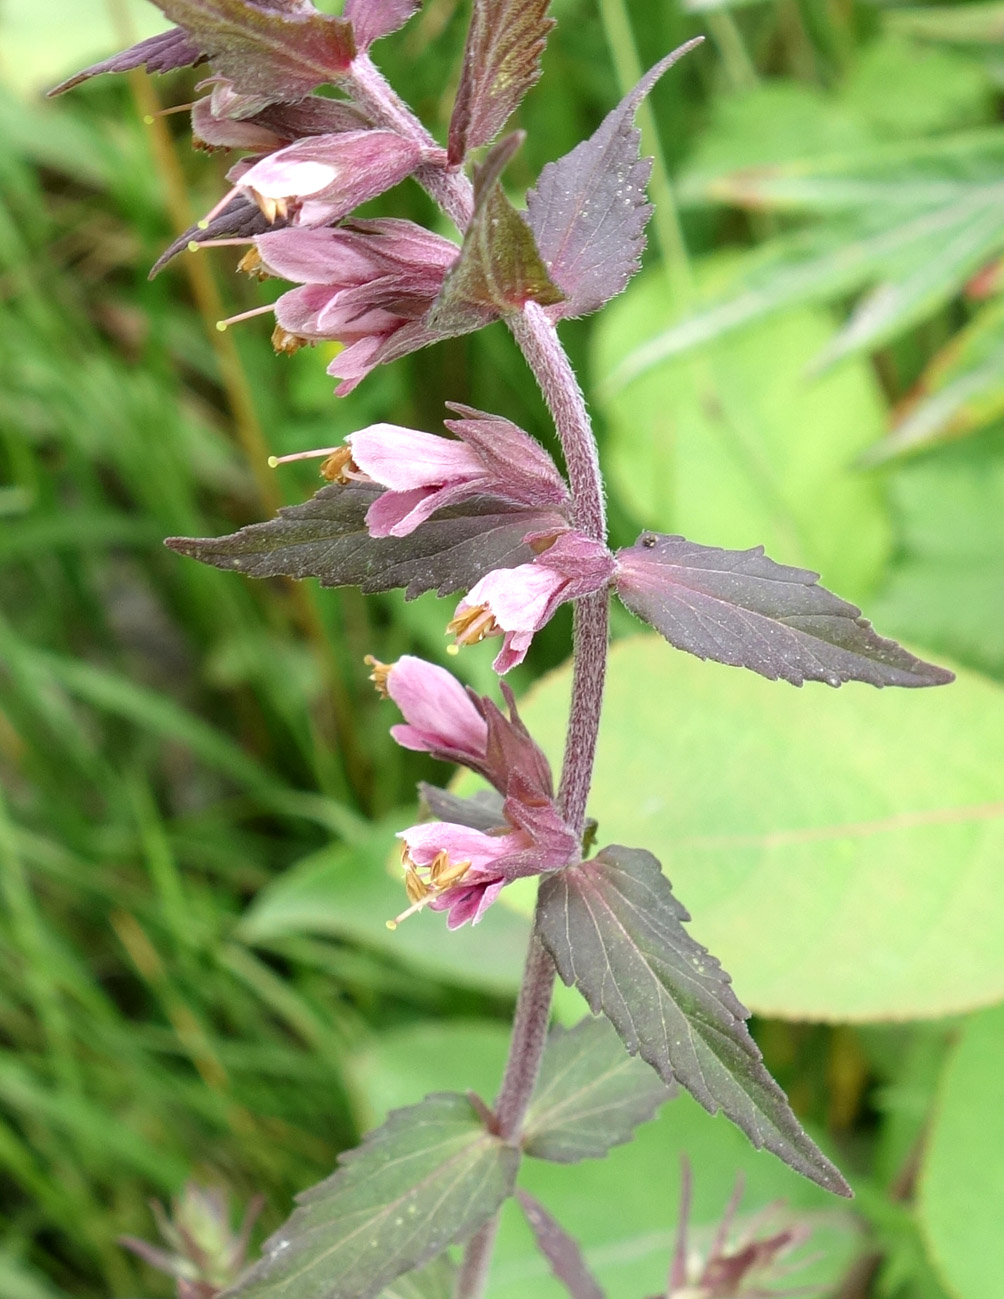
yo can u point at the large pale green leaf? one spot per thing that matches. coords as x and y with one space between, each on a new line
740 448
962 1179
839 851
623 1208
946 588
429 1176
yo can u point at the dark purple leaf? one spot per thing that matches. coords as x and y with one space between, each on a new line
505 42
499 268
590 209
242 218
326 537
616 932
280 49
483 811
591 1095
739 607
560 1250
162 53
431 1175
372 19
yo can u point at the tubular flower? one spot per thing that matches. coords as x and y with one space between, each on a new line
324 177
516 602
366 285
455 724
424 472
440 716
461 870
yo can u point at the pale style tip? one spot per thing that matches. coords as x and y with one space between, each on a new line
148 119
221 325
203 224
273 462
193 247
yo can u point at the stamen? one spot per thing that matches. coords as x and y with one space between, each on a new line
150 118
274 461
222 325
473 625
379 675
251 263
286 343
219 243
271 207
339 466
224 202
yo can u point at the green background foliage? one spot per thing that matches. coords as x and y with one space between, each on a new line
197 791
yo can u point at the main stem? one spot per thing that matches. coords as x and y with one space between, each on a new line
538 340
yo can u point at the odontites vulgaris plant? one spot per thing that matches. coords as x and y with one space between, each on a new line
477 510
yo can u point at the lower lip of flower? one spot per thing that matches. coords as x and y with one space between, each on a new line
471 627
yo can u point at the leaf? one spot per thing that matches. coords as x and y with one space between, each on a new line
962 1174
171 49
741 448
615 931
560 1250
960 392
841 849
591 1095
429 1176
499 268
624 1206
946 587
482 812
437 1280
894 305
589 209
505 42
279 49
372 19
326 537
739 607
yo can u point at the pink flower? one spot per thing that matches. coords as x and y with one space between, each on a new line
324 177
461 870
517 602
366 285
440 717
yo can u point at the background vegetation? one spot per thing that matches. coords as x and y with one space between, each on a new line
197 790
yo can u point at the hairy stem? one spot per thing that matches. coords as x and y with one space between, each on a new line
539 342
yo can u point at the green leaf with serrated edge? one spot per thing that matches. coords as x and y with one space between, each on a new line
429 1176
437 1280
616 932
841 850
505 42
961 1184
499 268
960 392
280 49
894 305
591 1095
327 538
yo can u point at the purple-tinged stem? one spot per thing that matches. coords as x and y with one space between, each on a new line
375 96
539 342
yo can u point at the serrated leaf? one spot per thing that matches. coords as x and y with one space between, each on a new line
279 49
560 1249
326 538
589 209
591 1095
741 608
162 53
616 932
499 268
505 42
429 1176
372 19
